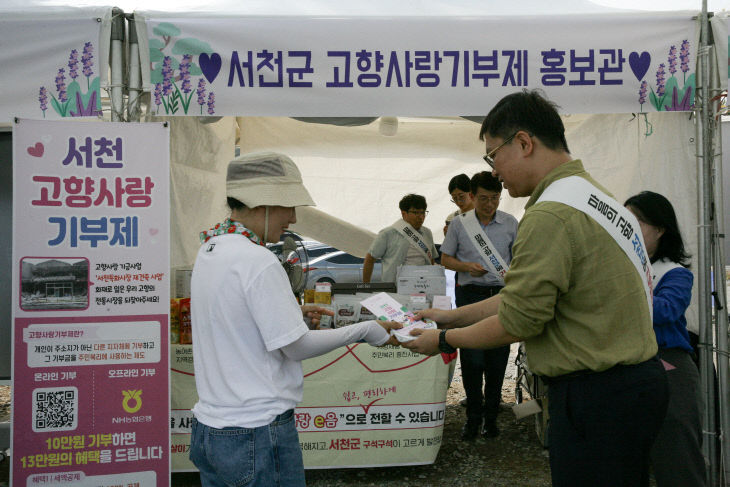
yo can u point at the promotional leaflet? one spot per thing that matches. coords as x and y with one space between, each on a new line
386 308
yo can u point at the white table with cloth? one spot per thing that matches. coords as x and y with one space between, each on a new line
363 406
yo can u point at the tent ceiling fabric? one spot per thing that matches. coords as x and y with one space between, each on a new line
388 8
333 231
339 121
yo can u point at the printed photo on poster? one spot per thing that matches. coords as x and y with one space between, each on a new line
54 283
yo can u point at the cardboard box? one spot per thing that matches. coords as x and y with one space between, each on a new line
428 279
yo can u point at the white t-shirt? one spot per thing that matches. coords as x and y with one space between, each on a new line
242 313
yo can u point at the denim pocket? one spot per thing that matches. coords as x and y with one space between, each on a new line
231 454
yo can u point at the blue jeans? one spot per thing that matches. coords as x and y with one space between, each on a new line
267 456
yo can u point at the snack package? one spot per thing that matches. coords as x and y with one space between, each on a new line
174 321
347 310
186 330
326 321
365 313
323 293
417 302
309 296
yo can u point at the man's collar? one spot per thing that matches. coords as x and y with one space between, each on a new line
498 216
571 168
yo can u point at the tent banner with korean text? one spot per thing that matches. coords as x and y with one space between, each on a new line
90 304
214 65
55 62
363 407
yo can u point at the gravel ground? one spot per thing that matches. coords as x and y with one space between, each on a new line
514 459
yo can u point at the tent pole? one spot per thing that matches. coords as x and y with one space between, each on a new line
135 80
117 71
720 285
704 263
721 314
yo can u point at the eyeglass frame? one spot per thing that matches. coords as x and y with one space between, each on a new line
490 199
489 156
459 198
417 212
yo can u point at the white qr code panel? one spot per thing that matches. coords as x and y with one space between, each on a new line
55 409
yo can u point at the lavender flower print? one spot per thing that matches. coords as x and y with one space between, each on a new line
642 94
70 99
158 96
43 99
211 103
672 60
660 82
61 85
201 94
185 73
167 76
684 57
73 64
668 94
87 61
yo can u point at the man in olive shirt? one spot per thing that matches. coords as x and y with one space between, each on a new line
577 301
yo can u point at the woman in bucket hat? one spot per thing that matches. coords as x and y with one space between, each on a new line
249 333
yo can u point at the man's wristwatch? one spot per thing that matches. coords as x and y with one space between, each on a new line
443 346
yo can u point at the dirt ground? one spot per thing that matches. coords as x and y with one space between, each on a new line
514 458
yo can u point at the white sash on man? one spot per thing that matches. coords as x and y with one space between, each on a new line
414 238
618 221
486 249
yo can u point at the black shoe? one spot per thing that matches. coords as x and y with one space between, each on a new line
490 431
470 430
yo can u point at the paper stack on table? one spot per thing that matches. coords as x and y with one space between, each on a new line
386 308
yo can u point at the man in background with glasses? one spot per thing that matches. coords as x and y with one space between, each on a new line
406 242
460 191
462 252
578 293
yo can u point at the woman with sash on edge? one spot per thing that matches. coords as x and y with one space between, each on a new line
676 456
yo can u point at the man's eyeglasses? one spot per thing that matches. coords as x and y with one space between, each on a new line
460 198
489 157
491 199
418 212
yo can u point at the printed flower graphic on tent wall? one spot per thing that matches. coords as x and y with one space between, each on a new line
68 98
172 68
667 89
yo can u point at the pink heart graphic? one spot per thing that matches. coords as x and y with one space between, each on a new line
153 231
36 150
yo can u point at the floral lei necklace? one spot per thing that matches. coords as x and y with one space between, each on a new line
229 227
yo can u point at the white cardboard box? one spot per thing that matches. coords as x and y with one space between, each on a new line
429 285
429 279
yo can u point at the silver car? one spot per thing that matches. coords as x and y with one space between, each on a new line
328 264
337 267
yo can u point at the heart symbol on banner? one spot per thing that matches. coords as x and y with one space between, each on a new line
210 65
153 231
639 63
36 150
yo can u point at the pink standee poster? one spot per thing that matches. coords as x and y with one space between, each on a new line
90 304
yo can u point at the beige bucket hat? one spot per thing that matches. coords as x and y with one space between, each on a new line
266 179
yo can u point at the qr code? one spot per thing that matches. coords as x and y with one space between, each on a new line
55 409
